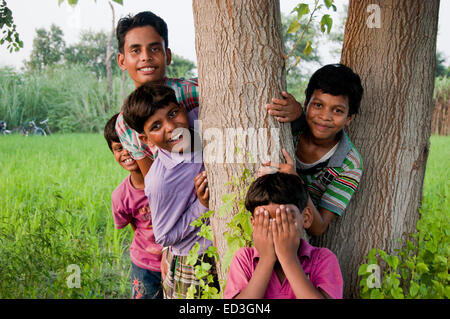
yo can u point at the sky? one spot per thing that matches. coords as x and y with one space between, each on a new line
96 15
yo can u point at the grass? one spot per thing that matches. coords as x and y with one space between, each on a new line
55 211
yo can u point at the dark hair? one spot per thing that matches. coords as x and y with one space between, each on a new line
278 188
110 133
143 103
142 19
337 79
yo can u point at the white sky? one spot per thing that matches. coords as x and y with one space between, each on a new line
96 15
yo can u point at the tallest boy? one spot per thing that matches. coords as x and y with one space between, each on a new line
144 53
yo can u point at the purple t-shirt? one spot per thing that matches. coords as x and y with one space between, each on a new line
169 186
319 264
130 205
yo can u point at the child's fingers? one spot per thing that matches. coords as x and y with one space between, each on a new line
201 190
283 119
284 219
278 222
264 170
266 223
206 194
278 113
287 157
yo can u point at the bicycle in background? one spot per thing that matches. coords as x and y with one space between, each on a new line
35 130
45 126
3 129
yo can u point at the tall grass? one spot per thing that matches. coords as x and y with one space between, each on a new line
55 211
73 98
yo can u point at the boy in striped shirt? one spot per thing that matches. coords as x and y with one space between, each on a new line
326 159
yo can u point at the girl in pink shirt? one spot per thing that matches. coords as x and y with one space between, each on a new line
281 264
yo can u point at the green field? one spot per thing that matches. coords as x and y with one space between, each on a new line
55 211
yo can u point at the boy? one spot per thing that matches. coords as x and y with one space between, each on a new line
130 206
144 53
176 183
326 159
281 265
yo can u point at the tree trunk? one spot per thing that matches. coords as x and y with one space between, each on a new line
109 54
240 67
396 63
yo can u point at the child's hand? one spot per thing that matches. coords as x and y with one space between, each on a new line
286 233
201 186
271 168
285 110
262 237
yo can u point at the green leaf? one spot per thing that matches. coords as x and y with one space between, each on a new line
192 290
308 49
362 270
413 288
327 22
206 232
192 257
294 27
301 10
376 294
328 3
422 268
397 293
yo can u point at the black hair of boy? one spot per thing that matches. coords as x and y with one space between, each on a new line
110 133
278 188
144 101
337 79
142 19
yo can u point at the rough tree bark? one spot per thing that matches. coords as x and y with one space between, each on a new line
240 68
396 63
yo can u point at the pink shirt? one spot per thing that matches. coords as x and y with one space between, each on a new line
319 264
130 205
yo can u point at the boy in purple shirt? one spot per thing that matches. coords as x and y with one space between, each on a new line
130 206
176 183
281 265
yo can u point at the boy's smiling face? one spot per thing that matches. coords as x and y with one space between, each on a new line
123 157
167 129
327 115
144 55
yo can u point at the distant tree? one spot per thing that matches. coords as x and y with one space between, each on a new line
9 34
181 68
441 69
90 51
48 48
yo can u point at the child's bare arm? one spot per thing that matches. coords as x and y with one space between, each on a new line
321 219
285 110
262 238
144 165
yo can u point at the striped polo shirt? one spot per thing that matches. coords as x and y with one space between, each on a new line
331 184
186 91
